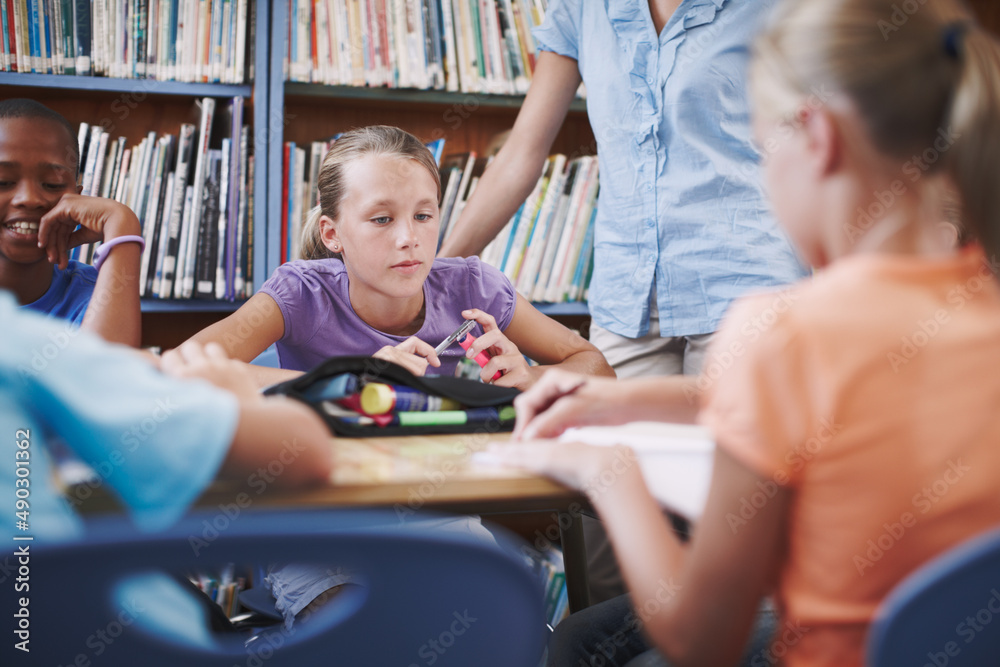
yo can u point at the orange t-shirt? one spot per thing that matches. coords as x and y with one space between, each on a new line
873 392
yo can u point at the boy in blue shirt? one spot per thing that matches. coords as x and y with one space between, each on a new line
42 216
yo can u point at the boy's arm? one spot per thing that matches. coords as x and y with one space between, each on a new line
516 168
269 428
113 313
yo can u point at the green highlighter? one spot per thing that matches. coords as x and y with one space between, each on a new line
442 417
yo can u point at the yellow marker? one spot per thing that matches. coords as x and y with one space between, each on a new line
378 398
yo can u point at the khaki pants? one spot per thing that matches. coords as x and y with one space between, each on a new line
634 357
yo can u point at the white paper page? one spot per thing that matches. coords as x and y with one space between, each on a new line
675 459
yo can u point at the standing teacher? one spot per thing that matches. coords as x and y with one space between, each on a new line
682 227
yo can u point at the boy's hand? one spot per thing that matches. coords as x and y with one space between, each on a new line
412 354
99 219
210 362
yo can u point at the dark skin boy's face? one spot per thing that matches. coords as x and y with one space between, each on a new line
37 167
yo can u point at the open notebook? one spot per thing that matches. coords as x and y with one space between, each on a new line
676 459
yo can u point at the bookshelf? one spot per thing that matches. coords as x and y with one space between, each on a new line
131 108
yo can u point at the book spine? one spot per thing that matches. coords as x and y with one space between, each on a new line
5 62
24 59
156 279
213 39
121 183
234 177
242 253
154 214
34 59
13 36
54 19
241 40
286 168
185 150
198 183
205 245
138 54
66 8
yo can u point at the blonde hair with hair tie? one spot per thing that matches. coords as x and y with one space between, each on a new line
930 86
382 140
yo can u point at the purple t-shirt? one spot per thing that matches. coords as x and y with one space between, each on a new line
320 322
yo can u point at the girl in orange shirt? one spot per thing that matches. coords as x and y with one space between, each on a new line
855 414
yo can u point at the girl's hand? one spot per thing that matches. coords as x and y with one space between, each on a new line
412 354
587 468
560 400
504 355
99 219
210 362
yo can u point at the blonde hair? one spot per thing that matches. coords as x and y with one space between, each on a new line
382 140
924 83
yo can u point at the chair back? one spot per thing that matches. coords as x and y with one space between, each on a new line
945 613
427 597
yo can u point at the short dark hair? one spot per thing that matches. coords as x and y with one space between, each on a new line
20 107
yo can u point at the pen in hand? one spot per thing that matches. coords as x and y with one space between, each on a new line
465 339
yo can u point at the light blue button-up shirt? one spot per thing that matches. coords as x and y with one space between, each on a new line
681 204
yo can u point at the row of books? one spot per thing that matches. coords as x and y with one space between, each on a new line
223 588
549 565
180 40
192 192
547 247
472 46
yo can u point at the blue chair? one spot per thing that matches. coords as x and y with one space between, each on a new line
426 597
945 613
268 358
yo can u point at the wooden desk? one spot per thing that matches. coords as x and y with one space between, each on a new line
434 472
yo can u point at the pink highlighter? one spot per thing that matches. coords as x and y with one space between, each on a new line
482 358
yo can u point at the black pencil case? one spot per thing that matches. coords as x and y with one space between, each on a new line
469 393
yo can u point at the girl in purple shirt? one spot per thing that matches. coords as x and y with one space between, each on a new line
374 286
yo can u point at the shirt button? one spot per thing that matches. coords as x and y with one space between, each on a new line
648 187
650 80
650 223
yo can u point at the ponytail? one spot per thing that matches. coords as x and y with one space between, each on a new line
925 84
973 162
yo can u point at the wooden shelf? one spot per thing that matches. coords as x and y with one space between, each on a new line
148 86
412 96
189 305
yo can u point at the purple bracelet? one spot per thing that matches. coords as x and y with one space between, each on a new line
104 248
